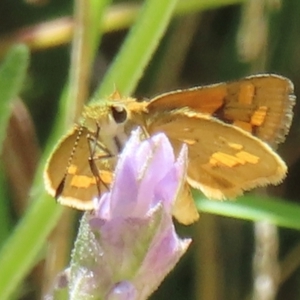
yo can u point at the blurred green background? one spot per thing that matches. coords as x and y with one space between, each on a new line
204 42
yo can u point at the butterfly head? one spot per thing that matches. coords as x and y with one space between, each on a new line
110 117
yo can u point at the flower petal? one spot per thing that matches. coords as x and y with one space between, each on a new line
123 290
128 245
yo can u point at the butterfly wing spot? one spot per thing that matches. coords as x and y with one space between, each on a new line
235 146
82 181
259 116
92 162
247 157
72 170
106 177
220 158
240 158
225 143
246 93
189 142
231 160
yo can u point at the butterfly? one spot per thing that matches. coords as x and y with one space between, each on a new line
230 129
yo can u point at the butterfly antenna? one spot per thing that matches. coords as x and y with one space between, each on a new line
61 186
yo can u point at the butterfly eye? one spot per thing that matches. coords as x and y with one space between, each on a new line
119 114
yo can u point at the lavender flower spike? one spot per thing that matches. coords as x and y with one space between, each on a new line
128 245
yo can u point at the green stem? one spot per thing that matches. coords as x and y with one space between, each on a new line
85 41
20 251
18 254
12 74
138 48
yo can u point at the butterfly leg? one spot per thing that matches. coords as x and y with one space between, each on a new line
94 146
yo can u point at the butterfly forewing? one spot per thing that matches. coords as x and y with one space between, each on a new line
68 174
261 105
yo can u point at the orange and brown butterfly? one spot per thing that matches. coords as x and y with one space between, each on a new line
230 129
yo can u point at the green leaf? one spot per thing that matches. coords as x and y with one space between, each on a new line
12 74
254 208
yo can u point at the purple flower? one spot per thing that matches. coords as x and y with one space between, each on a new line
128 245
